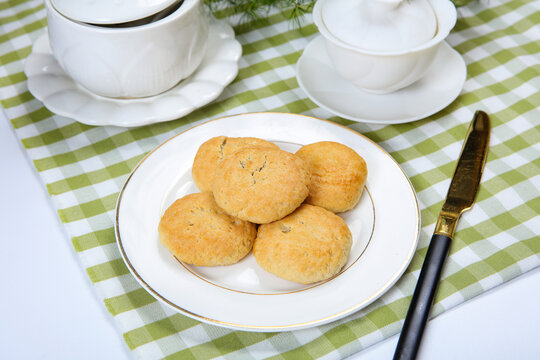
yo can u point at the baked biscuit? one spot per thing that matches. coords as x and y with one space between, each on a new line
198 232
261 184
311 244
338 175
213 151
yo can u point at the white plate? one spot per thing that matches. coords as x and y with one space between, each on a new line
385 226
436 90
60 94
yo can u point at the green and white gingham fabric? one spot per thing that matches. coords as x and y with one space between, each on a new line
85 167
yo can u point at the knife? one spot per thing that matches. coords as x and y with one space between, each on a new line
460 198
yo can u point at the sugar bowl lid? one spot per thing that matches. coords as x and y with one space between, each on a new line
380 25
107 12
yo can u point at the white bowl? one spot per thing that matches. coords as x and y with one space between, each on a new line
130 62
384 72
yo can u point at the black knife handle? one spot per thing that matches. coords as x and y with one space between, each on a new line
422 299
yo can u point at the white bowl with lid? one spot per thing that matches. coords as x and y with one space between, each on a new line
127 49
382 46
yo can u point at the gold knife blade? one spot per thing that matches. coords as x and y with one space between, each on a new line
466 179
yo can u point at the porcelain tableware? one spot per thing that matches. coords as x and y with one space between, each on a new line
440 86
129 62
243 296
61 95
382 64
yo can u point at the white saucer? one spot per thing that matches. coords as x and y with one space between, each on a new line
60 94
436 90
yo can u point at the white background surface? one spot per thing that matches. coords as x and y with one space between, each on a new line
50 310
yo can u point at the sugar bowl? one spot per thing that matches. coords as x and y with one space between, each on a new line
127 49
382 46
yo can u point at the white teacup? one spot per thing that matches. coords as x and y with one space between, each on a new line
130 62
384 72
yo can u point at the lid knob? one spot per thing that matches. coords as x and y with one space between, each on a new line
386 5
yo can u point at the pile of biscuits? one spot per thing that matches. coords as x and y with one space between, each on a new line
282 205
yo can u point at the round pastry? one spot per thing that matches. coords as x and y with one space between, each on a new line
338 175
198 232
311 244
261 184
213 151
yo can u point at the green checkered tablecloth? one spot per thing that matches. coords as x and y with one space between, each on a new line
85 167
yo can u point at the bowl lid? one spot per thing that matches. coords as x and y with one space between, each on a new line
380 25
109 11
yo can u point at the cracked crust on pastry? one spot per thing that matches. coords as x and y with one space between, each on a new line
312 244
261 184
196 231
213 151
338 175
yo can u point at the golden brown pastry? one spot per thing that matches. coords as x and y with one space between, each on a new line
198 232
338 175
261 184
213 151
311 244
